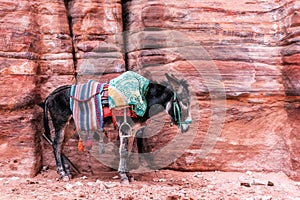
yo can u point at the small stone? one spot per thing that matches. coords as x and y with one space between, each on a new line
249 173
259 182
98 181
100 184
198 175
83 178
110 185
246 184
79 184
270 183
90 183
68 186
211 187
297 184
115 177
32 182
266 198
173 197
182 192
14 178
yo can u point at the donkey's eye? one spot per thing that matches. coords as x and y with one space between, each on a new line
185 103
184 99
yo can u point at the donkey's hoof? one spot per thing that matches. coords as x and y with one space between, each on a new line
131 179
66 178
125 182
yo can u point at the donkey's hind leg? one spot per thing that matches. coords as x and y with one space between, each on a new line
57 148
58 104
68 131
63 130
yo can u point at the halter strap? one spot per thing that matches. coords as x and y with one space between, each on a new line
177 112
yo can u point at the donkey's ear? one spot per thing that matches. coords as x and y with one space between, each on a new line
173 81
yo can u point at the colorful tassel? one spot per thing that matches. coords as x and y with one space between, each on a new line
80 146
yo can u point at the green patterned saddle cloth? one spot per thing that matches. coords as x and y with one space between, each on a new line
129 89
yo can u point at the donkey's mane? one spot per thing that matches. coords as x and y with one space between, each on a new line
183 82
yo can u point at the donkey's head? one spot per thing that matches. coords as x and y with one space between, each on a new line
179 108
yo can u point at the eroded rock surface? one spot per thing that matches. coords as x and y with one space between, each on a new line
248 49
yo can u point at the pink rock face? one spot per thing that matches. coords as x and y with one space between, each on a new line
97 31
19 142
249 48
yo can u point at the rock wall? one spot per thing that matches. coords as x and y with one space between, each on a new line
18 69
247 49
290 53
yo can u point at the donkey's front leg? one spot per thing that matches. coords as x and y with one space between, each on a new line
123 169
57 148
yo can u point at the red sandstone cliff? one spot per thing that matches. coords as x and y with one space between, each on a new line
252 46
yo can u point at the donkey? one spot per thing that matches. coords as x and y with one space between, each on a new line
172 96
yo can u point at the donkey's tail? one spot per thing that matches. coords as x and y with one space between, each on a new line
46 120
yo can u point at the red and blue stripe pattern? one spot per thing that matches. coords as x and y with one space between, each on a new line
86 105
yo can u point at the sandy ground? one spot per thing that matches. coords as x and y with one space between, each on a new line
163 184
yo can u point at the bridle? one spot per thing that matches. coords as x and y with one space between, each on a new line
177 113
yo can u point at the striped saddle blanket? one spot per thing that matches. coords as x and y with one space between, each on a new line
89 104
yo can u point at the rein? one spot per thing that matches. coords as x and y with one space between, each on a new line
177 112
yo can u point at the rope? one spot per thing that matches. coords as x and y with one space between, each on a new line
88 99
85 100
177 113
